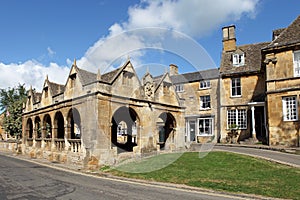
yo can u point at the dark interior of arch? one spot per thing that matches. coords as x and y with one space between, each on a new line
129 116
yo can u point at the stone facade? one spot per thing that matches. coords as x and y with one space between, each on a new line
282 61
94 117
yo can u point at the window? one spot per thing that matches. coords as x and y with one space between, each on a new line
205 126
204 102
237 117
297 63
46 92
204 84
236 87
238 60
73 78
179 88
289 108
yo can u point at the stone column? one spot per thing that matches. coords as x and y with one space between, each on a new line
67 144
53 135
34 135
43 144
253 122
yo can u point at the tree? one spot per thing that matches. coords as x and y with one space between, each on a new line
11 102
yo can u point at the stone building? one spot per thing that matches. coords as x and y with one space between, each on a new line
242 89
199 94
95 117
282 60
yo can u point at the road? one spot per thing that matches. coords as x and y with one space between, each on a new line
23 180
285 158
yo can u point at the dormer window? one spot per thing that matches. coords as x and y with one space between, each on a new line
73 78
46 92
238 60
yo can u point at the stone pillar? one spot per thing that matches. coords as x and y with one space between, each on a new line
53 135
66 136
43 144
253 122
34 134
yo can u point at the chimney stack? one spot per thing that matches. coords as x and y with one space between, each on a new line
229 40
173 70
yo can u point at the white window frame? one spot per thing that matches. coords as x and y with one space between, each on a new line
238 117
210 126
290 108
238 60
179 88
204 84
231 87
204 100
296 61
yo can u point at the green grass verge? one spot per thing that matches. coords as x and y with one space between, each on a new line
220 171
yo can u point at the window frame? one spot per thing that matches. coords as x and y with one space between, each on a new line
237 113
235 87
289 109
296 54
205 100
238 59
179 87
204 84
211 124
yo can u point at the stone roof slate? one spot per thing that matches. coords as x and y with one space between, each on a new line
288 36
195 76
55 88
253 59
86 76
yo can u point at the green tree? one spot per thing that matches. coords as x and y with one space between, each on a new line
11 102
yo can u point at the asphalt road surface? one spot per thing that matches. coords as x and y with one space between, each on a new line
23 180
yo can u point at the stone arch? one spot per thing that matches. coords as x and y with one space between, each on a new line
166 125
29 128
38 127
74 124
47 126
125 121
59 125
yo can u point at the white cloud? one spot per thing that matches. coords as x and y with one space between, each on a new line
192 17
31 73
195 18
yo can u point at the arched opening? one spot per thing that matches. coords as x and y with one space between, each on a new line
59 125
124 129
38 127
165 125
47 125
74 124
29 128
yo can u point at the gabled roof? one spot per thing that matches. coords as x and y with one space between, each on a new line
253 59
86 77
112 75
195 76
55 88
35 96
289 36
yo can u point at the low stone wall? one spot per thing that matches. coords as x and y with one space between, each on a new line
13 146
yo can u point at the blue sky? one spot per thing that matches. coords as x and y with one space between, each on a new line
40 37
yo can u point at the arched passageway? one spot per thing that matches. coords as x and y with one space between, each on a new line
165 126
29 128
59 125
124 129
74 124
47 125
38 127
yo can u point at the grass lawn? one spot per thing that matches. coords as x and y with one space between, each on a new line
220 171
